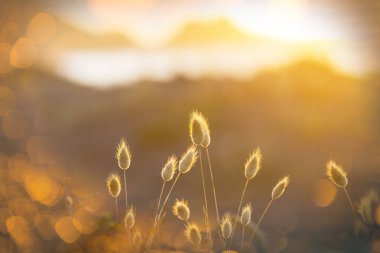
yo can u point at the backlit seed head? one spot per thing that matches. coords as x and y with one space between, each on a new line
123 155
169 169
336 174
188 160
193 234
280 187
130 217
226 226
206 131
246 214
197 131
181 209
137 239
114 185
253 164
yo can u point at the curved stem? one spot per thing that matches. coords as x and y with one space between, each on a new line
150 240
205 198
167 196
125 190
214 191
349 200
242 241
159 200
238 212
261 218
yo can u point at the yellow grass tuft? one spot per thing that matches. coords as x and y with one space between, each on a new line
246 214
137 238
226 226
280 187
188 159
193 234
253 165
123 155
130 218
336 174
169 169
114 185
197 128
181 210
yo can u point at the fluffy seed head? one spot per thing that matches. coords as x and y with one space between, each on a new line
193 234
113 185
123 155
197 128
226 226
188 160
137 238
206 131
181 209
169 168
130 217
246 214
280 187
253 164
336 174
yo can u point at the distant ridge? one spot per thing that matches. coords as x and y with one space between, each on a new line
211 32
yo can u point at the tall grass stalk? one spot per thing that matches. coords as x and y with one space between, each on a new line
214 192
149 243
207 221
261 218
238 211
251 167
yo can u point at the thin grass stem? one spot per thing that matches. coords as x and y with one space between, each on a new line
349 200
238 211
261 218
214 191
125 190
205 198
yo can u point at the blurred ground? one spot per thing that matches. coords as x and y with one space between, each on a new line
300 115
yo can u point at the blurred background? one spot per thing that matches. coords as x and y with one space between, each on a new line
298 78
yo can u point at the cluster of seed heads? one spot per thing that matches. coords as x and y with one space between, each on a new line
200 138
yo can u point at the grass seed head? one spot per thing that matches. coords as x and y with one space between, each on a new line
206 131
336 174
280 187
169 169
253 164
181 209
113 185
123 155
137 238
246 214
197 131
193 234
188 160
226 226
130 218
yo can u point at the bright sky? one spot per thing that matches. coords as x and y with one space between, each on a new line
302 26
153 21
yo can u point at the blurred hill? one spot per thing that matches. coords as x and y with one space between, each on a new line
219 31
73 37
